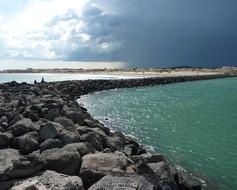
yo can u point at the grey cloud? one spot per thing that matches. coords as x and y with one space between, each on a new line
157 33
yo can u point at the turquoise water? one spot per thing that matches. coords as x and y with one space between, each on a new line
30 77
194 124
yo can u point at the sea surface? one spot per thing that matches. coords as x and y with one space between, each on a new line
50 77
193 124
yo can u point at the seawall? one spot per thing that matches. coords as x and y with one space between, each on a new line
49 141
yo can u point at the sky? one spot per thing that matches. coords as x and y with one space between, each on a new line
140 33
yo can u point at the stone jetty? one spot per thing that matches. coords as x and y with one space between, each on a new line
49 141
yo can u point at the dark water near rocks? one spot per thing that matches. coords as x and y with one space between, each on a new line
194 124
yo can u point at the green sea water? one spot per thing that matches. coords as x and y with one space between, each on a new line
193 124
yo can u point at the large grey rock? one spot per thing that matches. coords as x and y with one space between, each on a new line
68 137
94 139
50 130
186 181
21 127
78 116
50 143
115 143
7 159
60 160
52 114
14 166
130 182
95 166
49 180
27 143
5 139
82 148
65 122
23 101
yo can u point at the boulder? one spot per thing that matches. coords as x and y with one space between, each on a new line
3 119
78 116
94 139
2 129
23 101
16 119
60 160
115 143
50 143
13 165
5 139
65 122
50 130
4 125
7 159
33 116
95 166
21 127
129 182
52 114
51 106
82 148
92 124
186 181
68 137
49 180
27 143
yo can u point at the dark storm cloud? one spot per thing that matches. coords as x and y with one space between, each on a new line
184 32
144 33
163 33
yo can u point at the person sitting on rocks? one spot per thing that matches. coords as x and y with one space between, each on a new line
35 81
42 81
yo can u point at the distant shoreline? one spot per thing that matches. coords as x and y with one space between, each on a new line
136 72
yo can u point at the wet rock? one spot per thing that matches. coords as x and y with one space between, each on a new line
94 139
52 114
65 122
95 166
130 149
62 161
160 169
187 182
5 139
50 143
50 130
21 127
149 158
129 182
49 180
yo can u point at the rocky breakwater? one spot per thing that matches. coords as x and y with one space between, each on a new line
48 141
